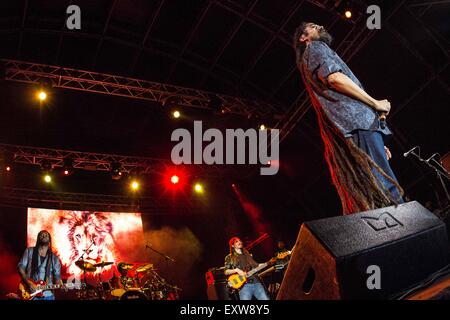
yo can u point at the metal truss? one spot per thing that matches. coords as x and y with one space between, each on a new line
88 81
442 44
105 28
247 15
148 29
188 40
268 43
227 42
102 162
425 5
18 197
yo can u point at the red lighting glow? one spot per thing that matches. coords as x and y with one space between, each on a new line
174 179
112 237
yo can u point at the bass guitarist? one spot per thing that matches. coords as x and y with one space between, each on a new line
40 263
239 261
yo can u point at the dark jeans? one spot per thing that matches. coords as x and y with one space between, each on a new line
371 142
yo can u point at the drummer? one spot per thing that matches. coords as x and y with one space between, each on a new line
123 277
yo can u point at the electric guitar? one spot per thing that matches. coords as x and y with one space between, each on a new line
41 286
236 281
284 254
280 256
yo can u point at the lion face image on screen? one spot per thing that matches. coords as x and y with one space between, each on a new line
110 236
91 230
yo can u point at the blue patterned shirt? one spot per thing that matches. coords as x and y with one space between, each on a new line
346 113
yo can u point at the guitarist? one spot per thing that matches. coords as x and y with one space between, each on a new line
240 261
282 257
40 263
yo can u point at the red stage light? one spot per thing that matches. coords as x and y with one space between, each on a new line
8 168
175 179
66 172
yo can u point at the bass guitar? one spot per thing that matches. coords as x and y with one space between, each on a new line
236 281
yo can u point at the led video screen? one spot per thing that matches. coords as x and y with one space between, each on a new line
92 236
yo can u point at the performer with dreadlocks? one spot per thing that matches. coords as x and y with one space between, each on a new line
40 263
352 124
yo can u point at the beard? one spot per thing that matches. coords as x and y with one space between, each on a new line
44 242
324 36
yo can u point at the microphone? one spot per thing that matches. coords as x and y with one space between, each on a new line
382 118
406 154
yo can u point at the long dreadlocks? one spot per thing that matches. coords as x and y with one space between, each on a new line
352 170
35 256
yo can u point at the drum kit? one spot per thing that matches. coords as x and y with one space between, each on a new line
135 282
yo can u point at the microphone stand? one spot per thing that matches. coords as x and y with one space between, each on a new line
440 172
81 258
160 253
166 257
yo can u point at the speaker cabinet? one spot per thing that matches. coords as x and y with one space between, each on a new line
374 254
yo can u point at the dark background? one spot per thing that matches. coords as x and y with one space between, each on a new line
240 48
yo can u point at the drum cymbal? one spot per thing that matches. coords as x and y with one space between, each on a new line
103 264
86 266
145 267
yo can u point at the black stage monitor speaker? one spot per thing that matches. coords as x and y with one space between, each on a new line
217 288
375 254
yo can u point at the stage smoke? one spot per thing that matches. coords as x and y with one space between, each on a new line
10 279
181 245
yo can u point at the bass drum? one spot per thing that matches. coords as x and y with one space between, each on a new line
133 295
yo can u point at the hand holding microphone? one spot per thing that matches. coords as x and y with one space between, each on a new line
383 107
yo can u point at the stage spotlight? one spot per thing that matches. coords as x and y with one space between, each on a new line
349 10
176 114
134 185
262 127
116 171
68 166
47 178
42 95
7 161
198 188
174 179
